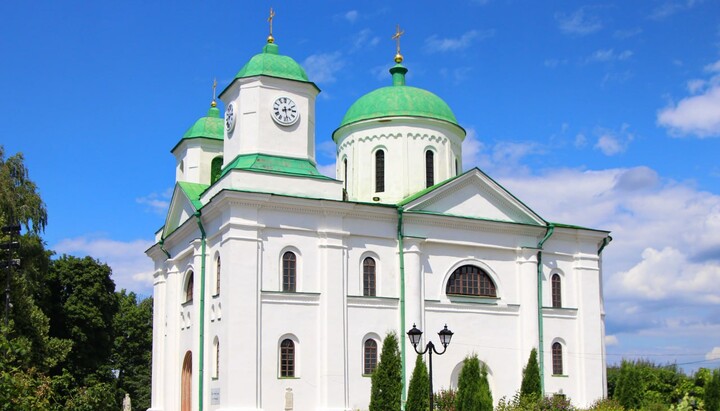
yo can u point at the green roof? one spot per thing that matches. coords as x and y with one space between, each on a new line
210 126
193 192
271 63
263 163
398 100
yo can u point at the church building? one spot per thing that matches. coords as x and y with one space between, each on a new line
275 286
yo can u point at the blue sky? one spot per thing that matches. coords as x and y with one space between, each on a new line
603 114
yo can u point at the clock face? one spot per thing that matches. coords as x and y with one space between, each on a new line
284 111
230 117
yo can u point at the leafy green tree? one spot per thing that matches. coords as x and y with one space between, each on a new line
386 391
473 387
629 387
84 305
132 348
419 390
712 392
445 400
20 202
530 386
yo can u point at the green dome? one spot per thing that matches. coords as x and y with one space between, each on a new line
270 63
399 100
210 126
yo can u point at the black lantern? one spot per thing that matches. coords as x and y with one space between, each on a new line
445 336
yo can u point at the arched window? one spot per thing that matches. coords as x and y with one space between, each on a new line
556 291
345 174
369 277
216 355
215 169
189 287
217 276
557 359
289 271
186 383
287 358
429 168
369 356
471 280
379 171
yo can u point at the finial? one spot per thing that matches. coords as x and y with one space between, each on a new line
396 37
214 103
270 38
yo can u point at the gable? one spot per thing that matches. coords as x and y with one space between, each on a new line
185 202
474 195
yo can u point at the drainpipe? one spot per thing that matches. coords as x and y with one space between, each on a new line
202 312
162 248
604 244
541 356
401 253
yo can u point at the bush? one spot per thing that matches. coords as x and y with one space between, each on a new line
445 400
386 391
530 385
473 388
712 392
419 392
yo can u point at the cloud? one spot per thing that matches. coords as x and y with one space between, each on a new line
433 44
322 67
327 170
578 23
156 202
351 16
607 55
457 75
472 148
625 34
697 115
669 8
611 340
131 268
364 39
714 354
611 142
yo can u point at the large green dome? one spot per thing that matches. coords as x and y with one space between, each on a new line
399 100
211 127
271 63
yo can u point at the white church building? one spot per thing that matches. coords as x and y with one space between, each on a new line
275 286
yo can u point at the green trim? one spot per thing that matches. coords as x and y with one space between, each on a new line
604 244
201 372
430 189
401 254
577 227
193 191
264 163
541 337
162 248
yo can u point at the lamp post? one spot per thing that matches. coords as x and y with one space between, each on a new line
445 336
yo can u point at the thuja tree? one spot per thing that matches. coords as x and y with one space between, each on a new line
419 391
712 392
386 391
473 387
530 386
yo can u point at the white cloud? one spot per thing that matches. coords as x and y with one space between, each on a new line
580 140
607 55
157 202
697 115
322 67
553 63
611 142
714 67
669 8
327 170
433 44
472 148
611 340
578 23
696 85
351 16
132 269
714 354
364 39
624 34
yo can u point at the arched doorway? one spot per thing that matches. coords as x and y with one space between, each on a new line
186 383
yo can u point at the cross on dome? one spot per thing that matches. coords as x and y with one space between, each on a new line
270 38
396 37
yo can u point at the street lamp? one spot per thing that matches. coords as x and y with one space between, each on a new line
445 336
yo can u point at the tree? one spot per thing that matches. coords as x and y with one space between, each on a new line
132 348
473 387
419 391
84 305
19 201
530 386
386 391
629 388
712 392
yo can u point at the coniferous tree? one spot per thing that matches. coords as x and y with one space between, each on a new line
386 391
473 388
712 392
530 386
419 391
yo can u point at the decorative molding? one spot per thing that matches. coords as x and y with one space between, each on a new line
291 298
357 301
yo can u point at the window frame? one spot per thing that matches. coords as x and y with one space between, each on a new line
556 291
287 367
429 168
466 284
380 171
369 279
218 271
557 358
372 360
189 288
289 275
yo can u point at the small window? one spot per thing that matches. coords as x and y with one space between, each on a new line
345 174
287 358
289 272
557 359
556 291
457 168
189 287
379 171
429 168
369 356
215 169
369 277
471 280
216 355
217 276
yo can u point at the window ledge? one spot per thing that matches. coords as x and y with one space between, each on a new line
187 303
473 299
288 378
561 375
367 375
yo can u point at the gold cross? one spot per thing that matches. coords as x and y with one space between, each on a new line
270 19
396 37
213 104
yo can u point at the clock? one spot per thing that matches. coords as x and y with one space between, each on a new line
230 117
284 111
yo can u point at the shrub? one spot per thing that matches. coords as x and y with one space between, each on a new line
419 392
530 385
386 391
